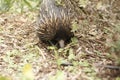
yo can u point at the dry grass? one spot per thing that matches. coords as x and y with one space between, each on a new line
89 52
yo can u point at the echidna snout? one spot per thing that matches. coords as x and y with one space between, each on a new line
61 43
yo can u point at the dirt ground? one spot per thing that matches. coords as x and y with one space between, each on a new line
87 52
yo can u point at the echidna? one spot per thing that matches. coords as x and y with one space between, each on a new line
54 23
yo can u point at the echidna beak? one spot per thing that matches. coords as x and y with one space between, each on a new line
61 43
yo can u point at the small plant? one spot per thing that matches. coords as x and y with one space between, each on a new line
18 5
60 75
27 72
